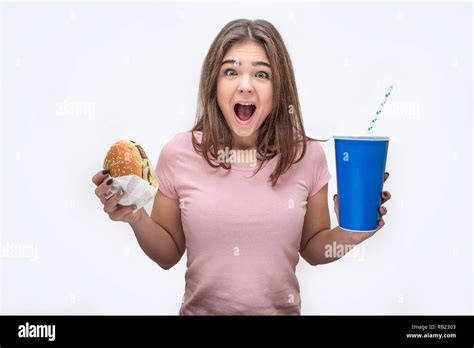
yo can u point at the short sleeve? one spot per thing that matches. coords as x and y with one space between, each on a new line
165 171
320 175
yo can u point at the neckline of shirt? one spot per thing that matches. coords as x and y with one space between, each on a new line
240 169
250 169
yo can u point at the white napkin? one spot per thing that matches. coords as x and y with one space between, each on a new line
137 191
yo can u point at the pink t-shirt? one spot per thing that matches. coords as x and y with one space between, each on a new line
242 235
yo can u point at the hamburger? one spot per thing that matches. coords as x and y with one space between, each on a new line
127 157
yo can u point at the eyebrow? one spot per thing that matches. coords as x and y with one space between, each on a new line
236 62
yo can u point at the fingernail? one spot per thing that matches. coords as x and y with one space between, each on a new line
134 207
121 193
384 209
109 181
105 171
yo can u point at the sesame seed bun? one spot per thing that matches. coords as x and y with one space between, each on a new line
126 157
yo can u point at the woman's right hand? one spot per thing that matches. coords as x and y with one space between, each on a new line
115 211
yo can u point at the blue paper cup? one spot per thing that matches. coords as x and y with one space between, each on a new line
360 168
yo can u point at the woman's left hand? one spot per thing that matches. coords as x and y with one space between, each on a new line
359 236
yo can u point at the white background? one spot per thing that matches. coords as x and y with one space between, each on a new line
77 77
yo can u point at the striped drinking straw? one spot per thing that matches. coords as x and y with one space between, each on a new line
377 114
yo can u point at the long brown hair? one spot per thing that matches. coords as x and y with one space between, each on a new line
282 133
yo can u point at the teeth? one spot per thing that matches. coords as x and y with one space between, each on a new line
246 104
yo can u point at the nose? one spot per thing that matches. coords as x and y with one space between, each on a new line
245 85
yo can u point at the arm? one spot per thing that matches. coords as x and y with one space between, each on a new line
317 232
161 235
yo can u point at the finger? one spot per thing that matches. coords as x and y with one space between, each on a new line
120 214
100 176
334 197
385 176
381 224
382 211
112 203
103 187
385 196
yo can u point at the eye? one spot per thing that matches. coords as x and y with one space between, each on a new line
262 75
230 72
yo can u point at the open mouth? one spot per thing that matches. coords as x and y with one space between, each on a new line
244 111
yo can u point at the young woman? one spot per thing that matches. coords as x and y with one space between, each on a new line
245 191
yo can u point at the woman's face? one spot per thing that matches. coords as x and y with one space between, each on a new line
245 90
